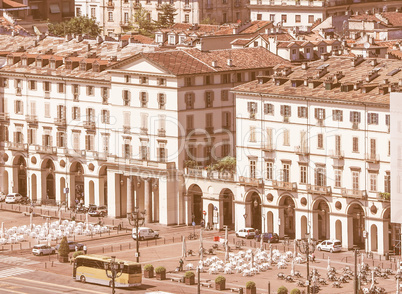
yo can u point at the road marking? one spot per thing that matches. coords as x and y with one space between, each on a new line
58 285
14 271
16 260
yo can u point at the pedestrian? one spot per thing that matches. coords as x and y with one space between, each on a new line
85 249
312 257
76 248
181 265
202 223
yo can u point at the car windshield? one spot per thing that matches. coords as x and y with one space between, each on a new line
250 230
338 243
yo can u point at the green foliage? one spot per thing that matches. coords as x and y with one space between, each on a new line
250 285
295 291
227 164
142 21
385 196
160 269
189 275
220 279
64 250
208 20
148 267
76 25
282 290
76 253
166 18
190 163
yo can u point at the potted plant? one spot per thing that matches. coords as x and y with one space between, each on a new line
250 288
295 291
189 278
220 283
148 271
160 272
282 290
64 250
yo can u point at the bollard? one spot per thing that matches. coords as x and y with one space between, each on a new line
173 239
20 246
52 263
129 245
103 249
147 243
323 256
164 241
45 265
120 247
111 248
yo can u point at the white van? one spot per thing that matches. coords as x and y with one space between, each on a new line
145 233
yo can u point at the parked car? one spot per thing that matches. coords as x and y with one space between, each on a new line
2 196
144 233
271 237
14 198
330 245
97 210
43 249
246 233
71 246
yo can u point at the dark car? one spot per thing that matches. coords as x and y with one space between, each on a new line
97 210
71 246
271 237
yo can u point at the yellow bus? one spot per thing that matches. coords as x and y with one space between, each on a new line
91 268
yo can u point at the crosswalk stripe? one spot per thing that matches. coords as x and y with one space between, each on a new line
16 260
14 272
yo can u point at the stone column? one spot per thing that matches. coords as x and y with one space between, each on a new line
148 200
129 195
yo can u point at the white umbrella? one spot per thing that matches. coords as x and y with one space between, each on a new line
270 252
226 245
201 247
329 264
183 248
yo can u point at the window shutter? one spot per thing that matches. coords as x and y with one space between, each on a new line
351 116
43 140
229 119
269 137
15 106
148 155
299 112
249 106
316 113
282 109
87 142
369 118
358 117
323 113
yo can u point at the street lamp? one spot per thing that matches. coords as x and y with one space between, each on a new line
245 217
306 247
263 217
137 219
114 270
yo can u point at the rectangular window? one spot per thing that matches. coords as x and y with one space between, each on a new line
47 110
272 17
89 142
269 169
161 100
320 177
32 85
126 119
125 17
225 78
338 178
387 119
355 144
76 113
189 100
269 109
90 90
209 120
209 99
32 136
373 148
18 107
161 82
61 139
60 88
91 114
61 112
143 99
387 183
372 118
311 18
303 174
110 16
189 122
302 112
105 116
297 18
252 108
252 169
286 111
144 121
373 182
284 18
143 80
319 113
286 173
161 152
355 180
225 95
186 18
239 77
320 141
338 145
337 115
93 12
188 81
226 122
354 117
208 80
46 86
76 141
252 137
259 16
105 143
126 97
286 137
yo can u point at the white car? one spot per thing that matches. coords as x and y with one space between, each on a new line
246 233
145 233
14 198
43 249
330 245
2 196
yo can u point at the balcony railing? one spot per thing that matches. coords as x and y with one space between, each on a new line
16 146
60 122
352 193
144 131
186 7
301 150
268 147
31 119
162 133
126 129
4 117
18 91
250 181
336 154
383 196
372 157
88 124
320 190
46 149
286 186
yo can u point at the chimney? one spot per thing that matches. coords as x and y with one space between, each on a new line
68 37
304 65
113 58
123 43
324 56
89 47
374 62
214 63
229 62
99 40
266 31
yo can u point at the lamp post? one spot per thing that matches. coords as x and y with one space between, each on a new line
263 217
137 219
306 247
113 270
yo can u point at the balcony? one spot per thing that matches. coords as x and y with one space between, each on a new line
210 130
320 123
355 126
268 147
18 91
319 190
195 172
31 119
90 125
372 157
351 193
46 149
161 133
250 182
144 131
4 117
187 7
336 154
383 196
60 122
110 4
16 146
126 129
285 186
301 150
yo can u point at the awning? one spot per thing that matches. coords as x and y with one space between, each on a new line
54 8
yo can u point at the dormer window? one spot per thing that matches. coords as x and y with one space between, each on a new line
39 62
52 64
83 66
24 61
172 40
69 65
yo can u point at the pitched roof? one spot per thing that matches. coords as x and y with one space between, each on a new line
394 18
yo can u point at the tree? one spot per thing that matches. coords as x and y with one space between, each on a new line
143 21
208 20
227 164
76 25
166 18
64 249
